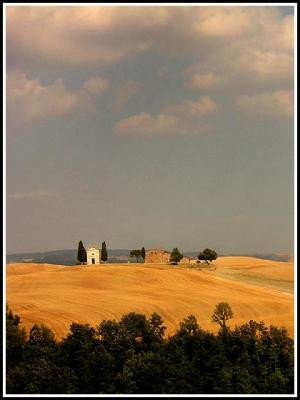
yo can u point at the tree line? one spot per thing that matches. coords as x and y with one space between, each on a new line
133 356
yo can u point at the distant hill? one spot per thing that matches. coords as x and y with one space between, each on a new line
65 257
69 257
268 256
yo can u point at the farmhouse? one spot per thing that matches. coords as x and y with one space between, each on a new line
93 255
161 256
157 256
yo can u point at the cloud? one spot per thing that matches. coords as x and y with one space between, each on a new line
36 194
79 35
238 51
86 35
201 107
224 21
28 101
260 55
125 92
186 118
144 124
207 80
264 65
277 103
96 86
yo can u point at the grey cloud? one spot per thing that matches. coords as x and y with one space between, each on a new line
84 35
125 92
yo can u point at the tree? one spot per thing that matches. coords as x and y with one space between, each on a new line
176 256
103 252
143 253
132 356
222 313
41 335
136 253
189 326
81 254
15 339
157 326
207 255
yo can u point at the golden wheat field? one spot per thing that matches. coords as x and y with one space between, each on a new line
56 295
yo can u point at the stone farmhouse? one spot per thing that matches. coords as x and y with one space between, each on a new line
161 256
93 256
157 256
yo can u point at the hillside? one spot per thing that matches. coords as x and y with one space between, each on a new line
58 295
265 273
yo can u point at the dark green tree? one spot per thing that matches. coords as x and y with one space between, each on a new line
143 253
103 252
81 254
88 359
222 313
15 339
156 324
189 326
176 256
136 253
41 335
208 255
133 356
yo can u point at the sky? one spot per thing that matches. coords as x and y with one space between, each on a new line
162 126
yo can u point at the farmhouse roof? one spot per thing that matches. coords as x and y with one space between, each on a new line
161 250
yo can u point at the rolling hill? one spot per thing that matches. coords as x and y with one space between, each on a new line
56 295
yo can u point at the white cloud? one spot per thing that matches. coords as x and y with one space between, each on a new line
28 101
277 103
223 21
186 118
243 46
264 65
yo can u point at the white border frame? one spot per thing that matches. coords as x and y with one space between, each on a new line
295 188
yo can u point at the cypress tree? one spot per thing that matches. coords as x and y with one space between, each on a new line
143 253
103 252
81 254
